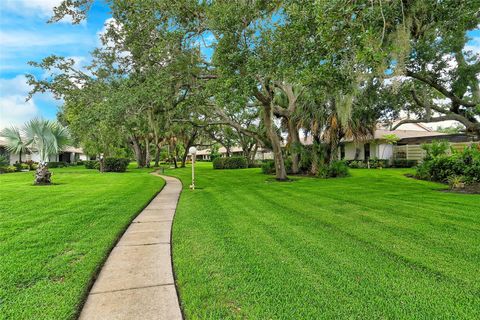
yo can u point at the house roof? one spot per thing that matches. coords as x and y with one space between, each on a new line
379 133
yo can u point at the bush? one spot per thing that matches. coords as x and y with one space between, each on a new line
116 164
336 169
268 167
91 164
230 163
444 168
436 149
356 164
404 163
58 164
378 163
7 169
32 164
4 161
21 166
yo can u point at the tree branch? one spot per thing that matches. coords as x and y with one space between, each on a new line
441 89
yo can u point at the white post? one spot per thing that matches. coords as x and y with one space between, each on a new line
193 152
193 172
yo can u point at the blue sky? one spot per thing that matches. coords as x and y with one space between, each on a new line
26 36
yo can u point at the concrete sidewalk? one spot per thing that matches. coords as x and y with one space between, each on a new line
136 281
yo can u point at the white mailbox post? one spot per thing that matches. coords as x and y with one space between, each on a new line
193 152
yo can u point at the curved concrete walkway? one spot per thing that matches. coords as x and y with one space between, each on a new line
136 281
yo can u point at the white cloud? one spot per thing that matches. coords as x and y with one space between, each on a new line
14 110
29 8
473 45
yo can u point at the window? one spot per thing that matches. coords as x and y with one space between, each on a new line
342 151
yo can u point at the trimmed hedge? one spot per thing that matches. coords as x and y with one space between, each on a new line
116 164
91 164
230 163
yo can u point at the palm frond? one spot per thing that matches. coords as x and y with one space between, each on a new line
15 141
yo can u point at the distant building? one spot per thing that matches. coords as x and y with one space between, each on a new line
69 154
410 135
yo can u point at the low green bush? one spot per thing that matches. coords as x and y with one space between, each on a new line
404 163
336 169
378 163
58 164
7 169
230 163
268 167
4 161
356 164
91 164
21 166
32 164
116 164
441 167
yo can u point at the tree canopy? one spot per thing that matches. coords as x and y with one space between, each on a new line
171 74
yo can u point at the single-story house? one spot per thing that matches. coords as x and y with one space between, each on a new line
410 137
262 153
69 154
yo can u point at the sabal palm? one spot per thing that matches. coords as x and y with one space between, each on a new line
15 141
48 137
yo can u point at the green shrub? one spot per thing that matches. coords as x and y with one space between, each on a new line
91 164
268 167
116 164
404 163
230 163
336 169
21 166
436 149
57 164
218 163
443 168
32 164
4 161
378 163
7 169
356 164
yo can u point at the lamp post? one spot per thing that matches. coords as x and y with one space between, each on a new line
193 152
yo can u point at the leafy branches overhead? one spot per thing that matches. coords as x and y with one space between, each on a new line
251 73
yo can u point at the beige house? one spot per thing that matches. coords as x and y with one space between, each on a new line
69 154
410 137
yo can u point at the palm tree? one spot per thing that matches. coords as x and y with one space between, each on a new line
49 138
15 141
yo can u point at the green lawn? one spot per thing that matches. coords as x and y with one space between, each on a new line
54 238
376 245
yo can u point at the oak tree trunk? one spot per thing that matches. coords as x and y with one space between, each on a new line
280 172
294 145
139 155
147 153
